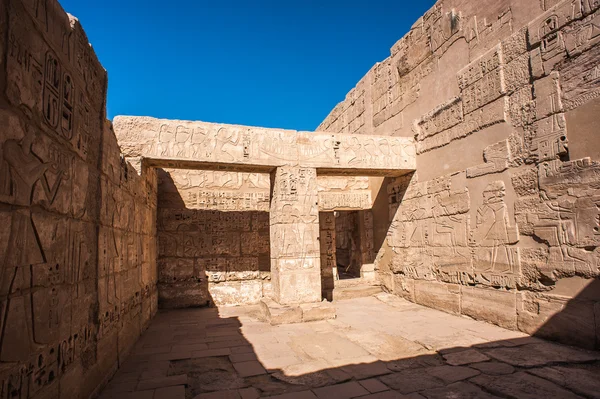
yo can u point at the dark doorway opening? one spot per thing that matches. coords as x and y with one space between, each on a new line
348 244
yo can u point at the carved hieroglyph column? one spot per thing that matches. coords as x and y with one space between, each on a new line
328 255
295 253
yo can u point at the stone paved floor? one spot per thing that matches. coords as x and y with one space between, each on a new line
378 347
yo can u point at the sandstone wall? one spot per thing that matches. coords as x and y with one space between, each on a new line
213 233
77 242
501 221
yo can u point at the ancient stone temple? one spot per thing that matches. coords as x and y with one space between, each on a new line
461 173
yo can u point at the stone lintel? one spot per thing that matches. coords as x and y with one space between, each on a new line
186 144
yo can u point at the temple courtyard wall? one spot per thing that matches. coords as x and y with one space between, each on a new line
501 220
77 223
461 173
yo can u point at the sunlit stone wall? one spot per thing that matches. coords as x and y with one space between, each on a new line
501 220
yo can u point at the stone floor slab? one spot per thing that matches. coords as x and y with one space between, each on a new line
523 386
583 381
465 357
377 348
462 390
493 368
164 382
249 369
176 392
373 385
411 381
346 390
541 354
450 374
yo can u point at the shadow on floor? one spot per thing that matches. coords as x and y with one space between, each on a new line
378 347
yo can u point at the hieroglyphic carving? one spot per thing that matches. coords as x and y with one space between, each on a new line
327 238
429 232
295 196
442 118
58 78
54 283
330 201
547 36
294 220
43 368
476 70
580 76
497 158
167 141
367 245
550 139
442 27
202 248
482 81
566 217
339 183
381 83
225 191
26 179
432 236
482 33
489 115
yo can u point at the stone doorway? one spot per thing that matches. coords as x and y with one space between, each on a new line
347 250
348 245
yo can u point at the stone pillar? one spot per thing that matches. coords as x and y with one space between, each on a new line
328 258
365 225
367 267
294 220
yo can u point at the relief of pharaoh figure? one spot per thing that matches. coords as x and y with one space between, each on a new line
493 231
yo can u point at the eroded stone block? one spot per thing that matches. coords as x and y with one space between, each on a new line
498 307
437 295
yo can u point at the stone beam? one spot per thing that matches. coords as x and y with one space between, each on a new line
201 145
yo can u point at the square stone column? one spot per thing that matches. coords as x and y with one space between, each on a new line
295 252
328 256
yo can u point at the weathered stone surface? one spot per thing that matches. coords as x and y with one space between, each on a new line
437 295
493 368
579 380
77 243
498 307
319 311
492 103
522 385
450 374
411 381
275 313
468 356
457 390
534 355
557 317
520 88
205 144
294 219
347 356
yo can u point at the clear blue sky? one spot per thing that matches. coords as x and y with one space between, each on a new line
272 63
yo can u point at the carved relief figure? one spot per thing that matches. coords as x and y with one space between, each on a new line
113 252
21 172
493 231
225 139
355 148
445 225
